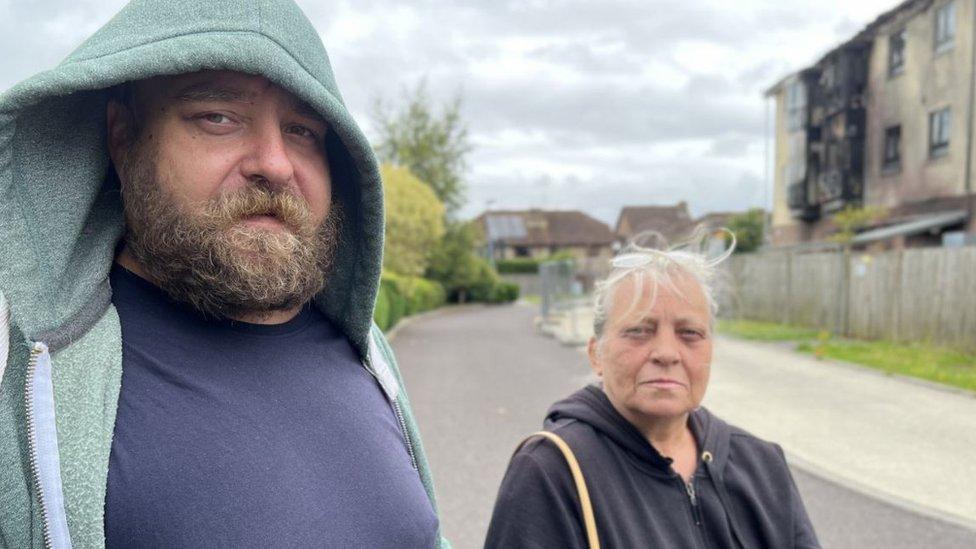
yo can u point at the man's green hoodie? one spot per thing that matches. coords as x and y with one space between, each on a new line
61 220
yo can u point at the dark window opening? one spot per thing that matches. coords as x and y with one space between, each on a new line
892 148
896 53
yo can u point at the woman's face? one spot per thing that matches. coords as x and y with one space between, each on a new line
654 357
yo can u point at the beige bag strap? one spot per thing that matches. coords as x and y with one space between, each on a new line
589 521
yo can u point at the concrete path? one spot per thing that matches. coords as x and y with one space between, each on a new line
885 435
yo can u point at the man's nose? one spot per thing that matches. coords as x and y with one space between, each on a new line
268 158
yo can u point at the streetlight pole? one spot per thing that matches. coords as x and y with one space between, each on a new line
488 235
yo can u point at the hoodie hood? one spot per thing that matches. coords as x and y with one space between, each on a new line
60 212
591 406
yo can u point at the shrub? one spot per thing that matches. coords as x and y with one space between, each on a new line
395 306
525 265
414 221
402 296
381 314
504 292
398 307
427 294
484 282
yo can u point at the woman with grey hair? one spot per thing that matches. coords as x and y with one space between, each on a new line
635 461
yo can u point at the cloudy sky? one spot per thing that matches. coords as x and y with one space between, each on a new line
579 104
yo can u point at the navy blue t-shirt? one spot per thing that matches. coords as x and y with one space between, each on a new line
230 434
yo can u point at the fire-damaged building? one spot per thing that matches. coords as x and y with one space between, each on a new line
870 125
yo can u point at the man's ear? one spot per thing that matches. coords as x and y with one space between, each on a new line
119 122
593 352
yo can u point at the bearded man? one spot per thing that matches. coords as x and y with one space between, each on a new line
191 241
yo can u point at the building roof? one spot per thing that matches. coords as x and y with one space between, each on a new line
671 221
544 228
716 220
918 225
863 36
775 88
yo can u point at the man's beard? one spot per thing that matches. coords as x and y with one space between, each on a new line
207 257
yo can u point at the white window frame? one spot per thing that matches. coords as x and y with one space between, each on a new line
796 105
944 30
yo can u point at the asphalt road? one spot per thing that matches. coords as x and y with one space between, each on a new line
481 379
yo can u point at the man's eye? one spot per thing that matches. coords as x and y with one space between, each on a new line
636 332
692 334
302 131
215 118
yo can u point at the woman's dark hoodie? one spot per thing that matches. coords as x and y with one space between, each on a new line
741 495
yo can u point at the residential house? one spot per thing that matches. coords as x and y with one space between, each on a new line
541 233
884 120
671 222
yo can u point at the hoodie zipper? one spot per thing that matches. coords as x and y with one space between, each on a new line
690 488
35 354
694 508
398 412
406 435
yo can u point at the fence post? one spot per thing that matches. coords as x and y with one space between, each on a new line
840 303
546 289
846 308
788 309
897 303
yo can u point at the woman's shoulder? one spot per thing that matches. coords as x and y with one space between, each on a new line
539 449
744 449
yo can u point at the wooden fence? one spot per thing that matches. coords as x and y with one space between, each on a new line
926 294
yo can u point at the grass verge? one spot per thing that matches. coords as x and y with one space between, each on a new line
764 331
921 360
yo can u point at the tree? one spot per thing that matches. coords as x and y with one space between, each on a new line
748 229
455 265
432 145
414 221
852 219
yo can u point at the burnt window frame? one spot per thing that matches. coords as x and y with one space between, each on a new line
940 147
796 105
891 163
900 37
944 35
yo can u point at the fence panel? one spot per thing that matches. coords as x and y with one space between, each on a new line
758 286
912 295
873 310
816 291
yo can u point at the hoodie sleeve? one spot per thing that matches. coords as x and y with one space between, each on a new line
537 506
4 334
804 537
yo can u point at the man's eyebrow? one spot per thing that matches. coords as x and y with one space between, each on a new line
211 92
304 109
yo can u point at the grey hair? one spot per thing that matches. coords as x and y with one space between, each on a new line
648 258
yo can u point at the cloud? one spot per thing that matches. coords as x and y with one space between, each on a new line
38 35
590 105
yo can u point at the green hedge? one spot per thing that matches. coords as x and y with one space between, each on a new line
525 265
504 292
402 296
